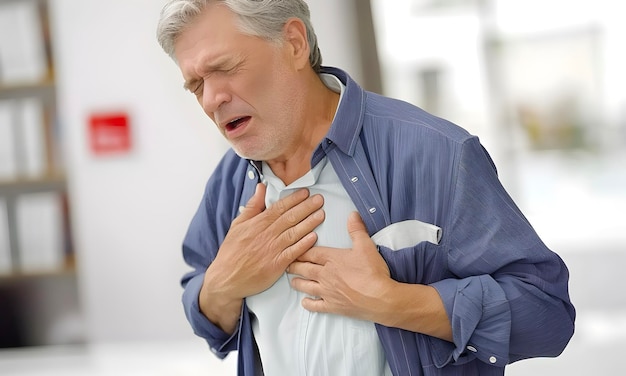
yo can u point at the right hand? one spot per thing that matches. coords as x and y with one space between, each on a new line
256 251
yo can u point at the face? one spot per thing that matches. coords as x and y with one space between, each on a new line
245 84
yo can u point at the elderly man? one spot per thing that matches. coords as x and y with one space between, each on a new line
348 233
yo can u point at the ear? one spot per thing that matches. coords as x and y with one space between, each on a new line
296 39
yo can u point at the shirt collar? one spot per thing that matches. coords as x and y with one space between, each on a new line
346 127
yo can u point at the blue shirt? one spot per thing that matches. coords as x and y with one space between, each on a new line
505 292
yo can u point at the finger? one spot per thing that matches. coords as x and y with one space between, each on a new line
298 221
298 239
292 252
356 228
315 305
285 204
300 212
317 255
306 286
305 270
255 205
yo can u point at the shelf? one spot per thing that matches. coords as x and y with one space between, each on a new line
38 280
18 276
44 89
28 185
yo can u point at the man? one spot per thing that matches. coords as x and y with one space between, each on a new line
347 233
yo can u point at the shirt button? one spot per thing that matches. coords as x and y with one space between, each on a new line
372 210
251 175
493 359
472 349
354 179
241 208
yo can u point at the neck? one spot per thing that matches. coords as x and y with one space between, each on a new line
319 108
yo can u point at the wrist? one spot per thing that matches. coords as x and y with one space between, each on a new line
417 308
219 308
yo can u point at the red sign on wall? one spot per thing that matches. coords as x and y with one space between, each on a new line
109 133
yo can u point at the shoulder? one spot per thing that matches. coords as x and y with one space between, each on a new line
394 116
223 191
228 174
406 133
397 133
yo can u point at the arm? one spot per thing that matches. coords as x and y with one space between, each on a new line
255 251
509 298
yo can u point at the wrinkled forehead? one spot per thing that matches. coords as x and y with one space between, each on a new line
215 25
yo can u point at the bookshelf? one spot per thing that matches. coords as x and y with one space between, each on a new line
38 282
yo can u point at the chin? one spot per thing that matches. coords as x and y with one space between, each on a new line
250 154
257 149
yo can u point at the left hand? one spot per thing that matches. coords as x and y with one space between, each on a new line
348 282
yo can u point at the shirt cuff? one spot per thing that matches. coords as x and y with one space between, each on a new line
220 342
481 321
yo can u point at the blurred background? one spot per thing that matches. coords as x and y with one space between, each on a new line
104 157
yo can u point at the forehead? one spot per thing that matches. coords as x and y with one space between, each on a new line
212 34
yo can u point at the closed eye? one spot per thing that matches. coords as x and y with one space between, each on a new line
193 86
198 89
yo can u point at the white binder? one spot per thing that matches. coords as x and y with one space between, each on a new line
22 48
40 232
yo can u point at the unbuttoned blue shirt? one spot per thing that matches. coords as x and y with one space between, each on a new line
505 292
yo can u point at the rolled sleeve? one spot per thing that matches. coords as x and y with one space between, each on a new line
220 342
481 321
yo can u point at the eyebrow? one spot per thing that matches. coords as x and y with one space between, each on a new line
221 64
191 85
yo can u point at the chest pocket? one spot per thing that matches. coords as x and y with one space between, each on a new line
407 234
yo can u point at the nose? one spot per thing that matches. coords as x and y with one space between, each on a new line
214 94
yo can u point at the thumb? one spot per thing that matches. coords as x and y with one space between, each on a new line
357 229
256 204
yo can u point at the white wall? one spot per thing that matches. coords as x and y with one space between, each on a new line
130 212
336 28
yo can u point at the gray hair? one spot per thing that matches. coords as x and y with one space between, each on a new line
261 18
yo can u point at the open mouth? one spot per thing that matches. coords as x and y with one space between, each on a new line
231 126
